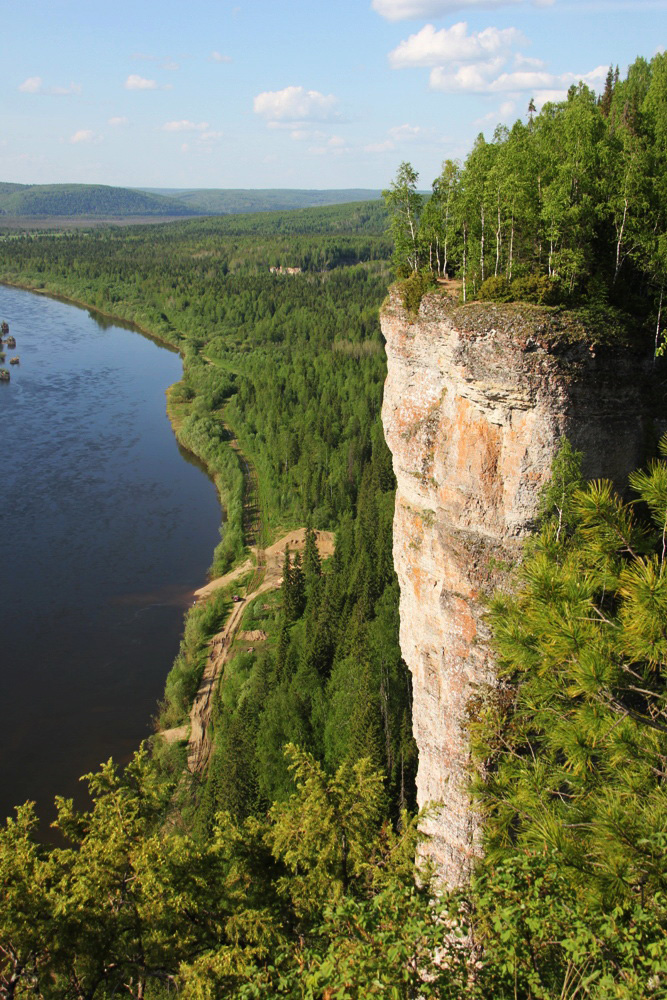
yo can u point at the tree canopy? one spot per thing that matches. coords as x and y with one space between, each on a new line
568 205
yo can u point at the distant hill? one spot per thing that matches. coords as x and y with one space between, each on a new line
233 201
103 202
357 217
18 200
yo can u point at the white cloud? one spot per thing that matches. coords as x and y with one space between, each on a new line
482 62
210 136
542 97
220 58
185 126
402 10
483 79
525 81
295 104
453 45
136 82
467 79
83 135
35 85
524 62
118 121
335 145
380 147
503 113
409 132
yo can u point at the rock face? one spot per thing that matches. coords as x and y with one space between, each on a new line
476 401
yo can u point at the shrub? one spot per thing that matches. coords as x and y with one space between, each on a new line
537 288
495 289
413 288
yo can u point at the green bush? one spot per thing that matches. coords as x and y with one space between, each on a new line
538 288
414 288
495 289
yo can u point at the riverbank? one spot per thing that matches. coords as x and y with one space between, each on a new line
114 317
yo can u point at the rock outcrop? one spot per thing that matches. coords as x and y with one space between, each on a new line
476 401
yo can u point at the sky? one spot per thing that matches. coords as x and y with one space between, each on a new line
299 94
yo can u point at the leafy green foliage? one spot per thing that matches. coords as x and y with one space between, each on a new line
404 205
413 289
317 896
566 208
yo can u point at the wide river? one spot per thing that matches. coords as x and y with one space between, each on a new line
107 527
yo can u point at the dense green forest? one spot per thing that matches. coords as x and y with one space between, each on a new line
100 200
234 201
565 207
85 199
289 870
293 367
315 897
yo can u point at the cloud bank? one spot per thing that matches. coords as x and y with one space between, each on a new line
454 45
484 62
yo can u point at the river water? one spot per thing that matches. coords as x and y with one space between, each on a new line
107 526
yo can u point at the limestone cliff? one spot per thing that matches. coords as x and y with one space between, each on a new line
475 402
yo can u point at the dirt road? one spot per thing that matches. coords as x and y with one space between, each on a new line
267 567
199 744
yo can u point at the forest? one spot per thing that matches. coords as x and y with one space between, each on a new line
101 200
292 868
564 208
84 199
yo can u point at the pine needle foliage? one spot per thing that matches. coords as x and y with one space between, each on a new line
571 897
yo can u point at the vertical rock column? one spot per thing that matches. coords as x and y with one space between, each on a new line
475 403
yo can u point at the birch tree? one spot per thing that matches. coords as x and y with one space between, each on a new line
405 206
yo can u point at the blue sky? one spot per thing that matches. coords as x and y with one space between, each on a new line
305 94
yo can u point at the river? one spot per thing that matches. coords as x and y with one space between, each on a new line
107 527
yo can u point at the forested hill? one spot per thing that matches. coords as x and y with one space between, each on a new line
367 217
101 200
214 201
18 200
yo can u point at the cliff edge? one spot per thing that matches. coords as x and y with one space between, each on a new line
475 403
